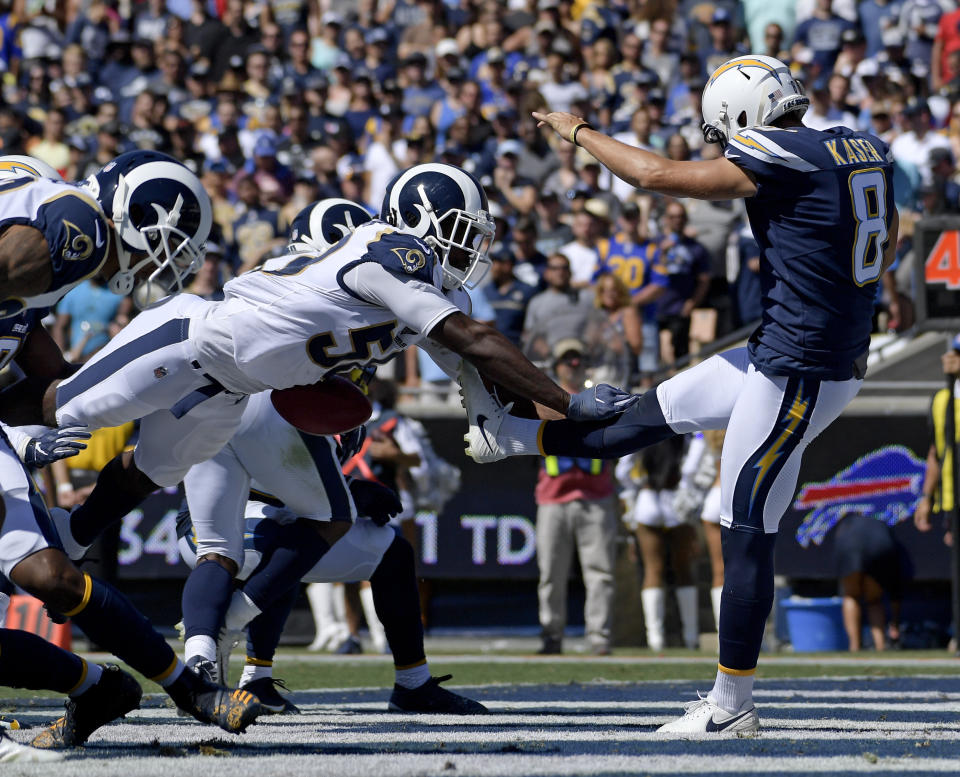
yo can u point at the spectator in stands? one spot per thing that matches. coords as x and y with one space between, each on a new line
575 510
87 317
51 146
588 226
552 232
256 231
507 295
821 36
515 193
723 41
614 335
635 260
943 187
560 312
749 306
529 261
945 42
913 147
686 263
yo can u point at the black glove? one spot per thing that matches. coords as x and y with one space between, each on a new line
375 501
54 445
350 444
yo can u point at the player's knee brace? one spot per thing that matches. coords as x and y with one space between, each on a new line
747 596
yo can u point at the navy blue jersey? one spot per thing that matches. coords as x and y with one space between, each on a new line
821 217
73 225
14 330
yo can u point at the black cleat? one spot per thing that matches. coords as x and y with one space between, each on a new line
432 699
271 702
550 647
113 696
231 710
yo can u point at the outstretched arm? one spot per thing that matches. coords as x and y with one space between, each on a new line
497 359
716 179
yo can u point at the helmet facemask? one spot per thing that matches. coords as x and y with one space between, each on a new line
462 240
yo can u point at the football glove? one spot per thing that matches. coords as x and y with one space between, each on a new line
54 445
375 501
600 402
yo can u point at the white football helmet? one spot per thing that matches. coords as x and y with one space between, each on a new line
323 223
447 208
751 91
22 166
159 211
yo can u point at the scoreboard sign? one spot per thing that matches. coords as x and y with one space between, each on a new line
937 272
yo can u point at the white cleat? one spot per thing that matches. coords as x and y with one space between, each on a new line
61 520
14 751
705 717
484 416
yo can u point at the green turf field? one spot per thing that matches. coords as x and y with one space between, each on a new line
302 670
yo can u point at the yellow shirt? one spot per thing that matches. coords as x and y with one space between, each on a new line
102 447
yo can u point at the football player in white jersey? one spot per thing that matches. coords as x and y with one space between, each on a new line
53 235
309 485
186 366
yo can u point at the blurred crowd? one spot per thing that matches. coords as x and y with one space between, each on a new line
276 103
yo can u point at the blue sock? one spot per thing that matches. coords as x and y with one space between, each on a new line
206 597
263 633
296 551
29 661
108 618
640 426
747 596
397 602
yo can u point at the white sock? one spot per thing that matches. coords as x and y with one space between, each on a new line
412 677
715 594
377 635
242 610
252 672
519 436
732 692
202 646
654 605
4 604
93 674
689 620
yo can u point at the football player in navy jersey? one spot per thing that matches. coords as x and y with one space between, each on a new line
820 204
53 235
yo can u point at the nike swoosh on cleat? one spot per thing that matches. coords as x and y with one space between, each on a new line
481 420
712 725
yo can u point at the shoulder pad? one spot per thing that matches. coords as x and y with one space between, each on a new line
402 254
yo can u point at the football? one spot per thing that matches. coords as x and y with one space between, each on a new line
329 406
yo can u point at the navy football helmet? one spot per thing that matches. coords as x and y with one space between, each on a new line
447 208
158 208
325 222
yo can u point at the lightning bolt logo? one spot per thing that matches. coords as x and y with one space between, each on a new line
796 413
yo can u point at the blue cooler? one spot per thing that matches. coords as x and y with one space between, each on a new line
815 624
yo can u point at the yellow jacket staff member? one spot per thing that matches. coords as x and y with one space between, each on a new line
937 491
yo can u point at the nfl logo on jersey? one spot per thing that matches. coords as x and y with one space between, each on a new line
160 372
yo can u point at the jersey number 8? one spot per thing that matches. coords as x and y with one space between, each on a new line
868 190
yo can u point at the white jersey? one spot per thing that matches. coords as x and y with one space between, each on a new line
299 317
